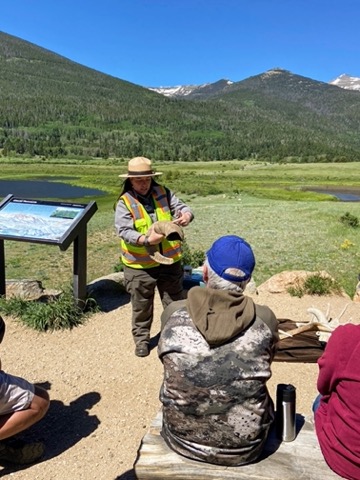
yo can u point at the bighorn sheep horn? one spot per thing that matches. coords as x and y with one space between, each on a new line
171 231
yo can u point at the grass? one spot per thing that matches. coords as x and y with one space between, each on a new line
284 235
55 314
289 229
315 284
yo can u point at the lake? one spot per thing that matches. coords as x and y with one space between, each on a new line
44 189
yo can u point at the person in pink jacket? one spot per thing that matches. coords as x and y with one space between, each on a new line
337 409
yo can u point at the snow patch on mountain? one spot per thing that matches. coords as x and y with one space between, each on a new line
185 90
346 81
177 91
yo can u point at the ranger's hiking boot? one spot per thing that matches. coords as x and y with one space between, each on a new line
20 453
142 350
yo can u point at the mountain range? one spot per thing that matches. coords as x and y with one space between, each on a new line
51 106
191 91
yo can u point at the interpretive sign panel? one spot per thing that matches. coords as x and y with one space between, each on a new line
40 221
56 223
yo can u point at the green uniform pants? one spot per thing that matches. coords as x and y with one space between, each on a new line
141 285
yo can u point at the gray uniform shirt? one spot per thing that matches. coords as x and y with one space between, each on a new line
124 222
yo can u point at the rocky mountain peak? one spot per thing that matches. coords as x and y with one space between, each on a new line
347 81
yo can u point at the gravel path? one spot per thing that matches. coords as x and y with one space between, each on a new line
103 398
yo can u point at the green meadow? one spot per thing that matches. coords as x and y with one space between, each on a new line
289 227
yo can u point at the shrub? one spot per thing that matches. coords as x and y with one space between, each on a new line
195 258
349 220
319 285
296 290
58 313
119 267
315 284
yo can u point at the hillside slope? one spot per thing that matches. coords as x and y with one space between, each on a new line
51 106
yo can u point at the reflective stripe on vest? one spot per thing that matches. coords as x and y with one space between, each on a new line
137 256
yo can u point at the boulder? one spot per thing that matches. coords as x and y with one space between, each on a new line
28 289
281 282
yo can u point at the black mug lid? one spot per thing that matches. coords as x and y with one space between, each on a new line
287 391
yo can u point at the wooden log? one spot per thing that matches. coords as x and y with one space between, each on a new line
298 460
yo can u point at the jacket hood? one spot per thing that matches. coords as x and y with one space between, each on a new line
219 315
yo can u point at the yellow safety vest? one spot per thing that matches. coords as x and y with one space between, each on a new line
136 256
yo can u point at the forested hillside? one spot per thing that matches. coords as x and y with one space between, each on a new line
53 107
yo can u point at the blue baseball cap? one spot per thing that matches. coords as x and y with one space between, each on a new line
231 251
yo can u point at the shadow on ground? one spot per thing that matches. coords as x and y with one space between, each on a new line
154 341
108 293
129 475
274 441
62 427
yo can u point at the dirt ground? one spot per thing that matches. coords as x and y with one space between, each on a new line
103 398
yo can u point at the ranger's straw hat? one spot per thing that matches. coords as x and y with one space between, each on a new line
140 167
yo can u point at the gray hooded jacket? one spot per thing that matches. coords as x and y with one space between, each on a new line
217 347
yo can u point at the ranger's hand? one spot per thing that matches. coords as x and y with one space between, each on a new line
183 219
153 237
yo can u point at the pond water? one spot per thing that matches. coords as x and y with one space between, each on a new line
41 189
345 194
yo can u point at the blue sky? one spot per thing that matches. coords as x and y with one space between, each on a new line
170 42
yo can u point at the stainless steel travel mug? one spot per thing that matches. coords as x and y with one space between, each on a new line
286 412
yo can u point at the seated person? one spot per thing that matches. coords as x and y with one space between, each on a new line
21 405
337 410
217 347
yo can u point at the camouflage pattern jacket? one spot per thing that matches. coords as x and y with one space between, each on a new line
217 348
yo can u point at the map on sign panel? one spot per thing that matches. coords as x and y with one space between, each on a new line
38 220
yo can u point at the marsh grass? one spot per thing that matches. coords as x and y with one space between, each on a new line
289 229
